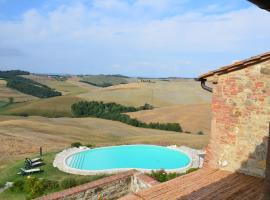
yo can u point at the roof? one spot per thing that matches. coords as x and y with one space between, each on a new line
237 65
264 4
204 184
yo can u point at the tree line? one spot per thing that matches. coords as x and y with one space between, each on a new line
115 112
26 85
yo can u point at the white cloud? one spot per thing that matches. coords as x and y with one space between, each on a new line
94 38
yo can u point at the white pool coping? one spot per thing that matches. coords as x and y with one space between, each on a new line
195 156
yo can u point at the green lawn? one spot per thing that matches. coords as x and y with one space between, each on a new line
50 173
3 104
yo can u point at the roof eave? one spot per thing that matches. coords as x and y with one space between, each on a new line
264 4
236 66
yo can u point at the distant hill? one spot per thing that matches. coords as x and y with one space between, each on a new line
104 80
193 118
27 86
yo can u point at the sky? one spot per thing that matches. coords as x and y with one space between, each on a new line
150 38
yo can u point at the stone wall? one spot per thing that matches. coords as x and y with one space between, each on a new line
109 188
240 122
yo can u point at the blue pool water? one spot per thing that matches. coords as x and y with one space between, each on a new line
129 156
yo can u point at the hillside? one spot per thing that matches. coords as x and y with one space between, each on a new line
65 87
104 80
52 107
193 118
158 93
23 136
6 93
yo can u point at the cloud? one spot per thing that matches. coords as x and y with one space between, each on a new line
133 37
10 52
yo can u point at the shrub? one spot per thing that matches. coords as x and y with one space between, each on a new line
191 170
160 175
18 186
29 184
23 114
90 145
10 100
163 176
68 183
76 144
200 133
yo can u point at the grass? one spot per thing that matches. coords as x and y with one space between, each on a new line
6 92
63 86
182 114
3 104
159 94
22 136
51 107
51 173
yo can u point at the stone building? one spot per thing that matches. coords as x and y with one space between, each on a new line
240 116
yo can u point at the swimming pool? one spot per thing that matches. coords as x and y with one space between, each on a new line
121 158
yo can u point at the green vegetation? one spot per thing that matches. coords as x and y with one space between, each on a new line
76 144
163 176
113 111
27 86
50 180
104 80
200 133
60 78
12 73
3 104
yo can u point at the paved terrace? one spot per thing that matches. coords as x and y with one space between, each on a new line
204 184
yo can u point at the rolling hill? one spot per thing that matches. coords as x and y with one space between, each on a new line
193 118
21 137
158 93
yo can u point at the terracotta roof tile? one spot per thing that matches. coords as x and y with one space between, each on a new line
204 184
237 65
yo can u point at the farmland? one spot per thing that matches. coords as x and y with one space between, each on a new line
21 137
177 100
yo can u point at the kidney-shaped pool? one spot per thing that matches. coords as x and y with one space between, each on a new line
144 157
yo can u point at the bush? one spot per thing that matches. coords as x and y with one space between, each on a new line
76 144
18 186
35 187
200 133
160 175
191 170
23 114
163 176
90 145
68 183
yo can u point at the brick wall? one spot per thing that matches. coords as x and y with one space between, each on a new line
240 122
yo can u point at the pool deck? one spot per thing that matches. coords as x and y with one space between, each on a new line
204 184
196 157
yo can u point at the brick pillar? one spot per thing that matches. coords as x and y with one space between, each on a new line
267 172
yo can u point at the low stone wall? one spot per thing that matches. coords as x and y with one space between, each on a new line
109 188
